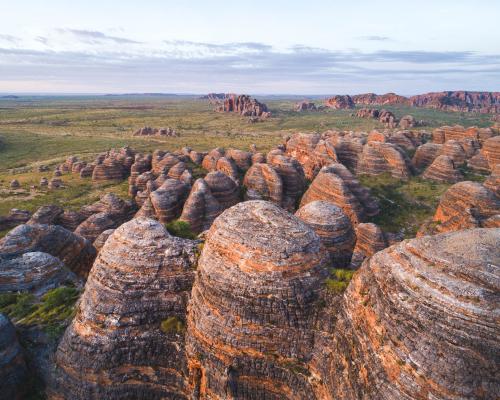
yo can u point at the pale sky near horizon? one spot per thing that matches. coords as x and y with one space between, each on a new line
259 47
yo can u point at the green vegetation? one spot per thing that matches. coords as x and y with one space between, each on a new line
339 280
52 312
172 325
471 175
404 205
180 229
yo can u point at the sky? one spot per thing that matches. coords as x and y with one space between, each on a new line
257 47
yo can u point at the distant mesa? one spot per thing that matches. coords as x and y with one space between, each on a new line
458 101
340 102
10 96
241 104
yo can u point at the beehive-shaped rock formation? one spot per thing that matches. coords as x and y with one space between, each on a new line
465 205
378 158
168 200
369 240
13 218
164 163
109 170
257 288
443 169
348 150
223 188
334 229
94 225
455 151
425 155
101 239
70 219
126 340
493 181
75 252
242 159
13 371
491 151
228 167
33 272
177 170
46 215
292 177
262 182
328 186
201 207
419 321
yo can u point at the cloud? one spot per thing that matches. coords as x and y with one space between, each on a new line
187 66
96 36
9 38
375 38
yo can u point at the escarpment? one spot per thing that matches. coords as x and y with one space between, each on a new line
255 294
127 338
419 320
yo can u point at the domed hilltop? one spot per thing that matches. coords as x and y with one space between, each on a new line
346 264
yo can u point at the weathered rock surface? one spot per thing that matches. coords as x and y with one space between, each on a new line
378 158
242 159
75 252
116 347
13 371
425 155
101 239
243 105
201 207
33 272
460 101
46 215
13 218
333 227
419 321
387 118
292 177
493 181
455 151
340 102
379 99
148 131
108 170
443 169
369 240
258 284
305 106
168 200
465 205
228 167
330 187
491 151
223 188
262 182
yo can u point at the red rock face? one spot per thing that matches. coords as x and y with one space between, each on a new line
387 343
491 151
374 99
334 229
201 207
118 345
259 279
340 102
311 152
305 106
367 113
262 182
369 240
465 205
493 181
14 218
443 169
243 105
462 101
378 158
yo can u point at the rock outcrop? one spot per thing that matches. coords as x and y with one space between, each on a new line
334 229
201 207
33 272
340 102
465 205
443 169
169 199
292 177
378 158
243 105
148 131
491 151
459 101
127 338
425 155
493 181
379 99
75 252
419 321
369 240
259 278
46 215
223 188
262 182
13 370
305 106
13 218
